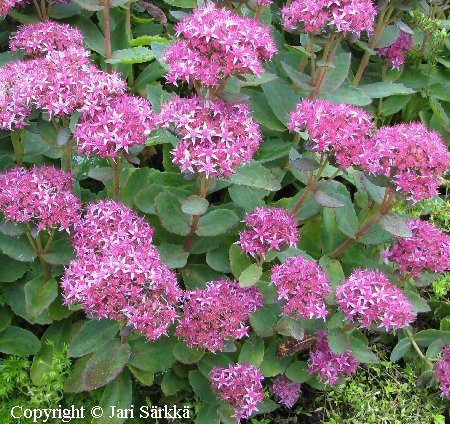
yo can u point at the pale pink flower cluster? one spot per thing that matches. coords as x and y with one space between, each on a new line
340 130
303 285
217 43
42 37
413 157
394 54
342 16
123 121
263 2
442 372
268 229
287 390
118 273
215 136
41 196
5 6
369 298
427 250
327 364
240 386
216 314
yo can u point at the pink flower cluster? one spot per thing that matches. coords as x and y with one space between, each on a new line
268 229
263 2
41 196
118 273
215 136
427 250
345 16
5 6
287 390
338 129
303 285
240 386
217 43
412 156
42 37
217 313
394 54
442 372
368 297
123 121
329 365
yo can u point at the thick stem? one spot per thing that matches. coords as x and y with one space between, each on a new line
18 138
422 49
129 37
204 184
313 58
417 348
117 171
259 11
383 78
38 10
41 252
107 29
68 156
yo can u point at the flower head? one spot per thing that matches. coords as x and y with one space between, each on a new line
215 136
427 250
442 372
123 121
329 365
268 229
412 156
5 6
394 55
303 285
217 313
338 129
217 43
240 386
368 297
316 16
42 37
41 196
287 390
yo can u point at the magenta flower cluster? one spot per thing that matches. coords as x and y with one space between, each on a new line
327 364
340 130
5 6
427 250
215 136
369 298
240 386
442 372
118 273
217 43
303 285
316 16
394 54
216 314
286 390
268 229
412 156
39 196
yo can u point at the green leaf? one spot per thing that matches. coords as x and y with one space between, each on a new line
60 252
74 383
5 317
395 225
440 91
362 352
146 40
194 205
298 372
154 356
202 387
301 80
440 113
394 104
291 328
219 260
172 218
250 275
105 364
39 294
197 275
172 383
11 270
216 222
13 228
255 175
252 351
263 320
337 340
247 198
207 415
271 364
348 94
335 77
185 4
18 341
187 355
92 336
238 260
101 174
326 200
262 112
378 90
132 55
144 377
333 269
401 349
18 248
426 337
174 256
419 304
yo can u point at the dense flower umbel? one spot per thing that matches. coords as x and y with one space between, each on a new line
215 136
5 5
303 285
442 372
123 121
268 229
263 2
217 314
412 156
345 16
287 390
240 386
338 129
427 250
41 37
217 43
394 55
327 364
369 298
40 196
118 274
